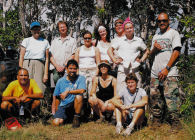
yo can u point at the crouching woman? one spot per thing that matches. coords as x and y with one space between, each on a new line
100 101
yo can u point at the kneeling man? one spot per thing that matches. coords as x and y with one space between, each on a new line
130 105
70 89
22 93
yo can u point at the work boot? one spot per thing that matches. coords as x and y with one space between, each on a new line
76 121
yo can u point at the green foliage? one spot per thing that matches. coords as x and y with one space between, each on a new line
187 107
11 34
189 23
186 72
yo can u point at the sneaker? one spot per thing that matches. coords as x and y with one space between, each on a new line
128 131
101 120
118 129
12 123
76 122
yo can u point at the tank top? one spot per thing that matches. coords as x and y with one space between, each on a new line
103 47
105 93
87 58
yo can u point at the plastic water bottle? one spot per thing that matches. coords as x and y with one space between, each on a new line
21 112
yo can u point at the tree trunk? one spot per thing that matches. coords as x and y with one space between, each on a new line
6 6
22 16
78 23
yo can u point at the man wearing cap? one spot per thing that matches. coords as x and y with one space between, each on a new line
128 49
62 50
164 91
34 56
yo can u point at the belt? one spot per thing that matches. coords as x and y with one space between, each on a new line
34 59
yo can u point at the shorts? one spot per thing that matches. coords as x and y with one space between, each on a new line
61 112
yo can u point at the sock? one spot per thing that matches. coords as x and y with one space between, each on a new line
119 124
77 114
132 124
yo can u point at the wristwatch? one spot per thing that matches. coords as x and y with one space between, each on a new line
168 68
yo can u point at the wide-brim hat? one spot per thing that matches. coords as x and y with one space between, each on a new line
105 62
35 24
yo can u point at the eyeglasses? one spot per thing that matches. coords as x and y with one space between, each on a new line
87 38
164 21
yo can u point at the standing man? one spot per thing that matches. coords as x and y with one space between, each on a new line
70 89
34 56
128 49
164 93
62 50
21 92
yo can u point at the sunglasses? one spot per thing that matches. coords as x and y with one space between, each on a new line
87 38
164 21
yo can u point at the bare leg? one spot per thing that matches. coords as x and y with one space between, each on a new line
78 103
57 121
6 106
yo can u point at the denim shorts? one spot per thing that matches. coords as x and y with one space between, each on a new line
61 112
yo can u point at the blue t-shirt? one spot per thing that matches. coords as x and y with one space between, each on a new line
63 85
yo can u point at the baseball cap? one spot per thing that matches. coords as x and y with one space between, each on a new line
35 23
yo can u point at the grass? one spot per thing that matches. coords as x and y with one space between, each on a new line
93 131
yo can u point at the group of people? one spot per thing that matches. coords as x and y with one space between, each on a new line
90 72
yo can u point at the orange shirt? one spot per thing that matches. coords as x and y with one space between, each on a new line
14 89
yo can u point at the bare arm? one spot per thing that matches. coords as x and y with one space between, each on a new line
76 57
22 53
141 103
97 56
45 77
58 67
94 86
117 102
35 96
146 53
114 86
110 53
53 106
164 72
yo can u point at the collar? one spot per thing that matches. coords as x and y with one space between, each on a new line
133 39
66 38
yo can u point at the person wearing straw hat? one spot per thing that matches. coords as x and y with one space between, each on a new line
100 101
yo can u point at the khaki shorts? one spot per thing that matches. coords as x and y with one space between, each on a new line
36 71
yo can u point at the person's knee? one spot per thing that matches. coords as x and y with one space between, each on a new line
57 122
36 103
78 99
92 101
5 105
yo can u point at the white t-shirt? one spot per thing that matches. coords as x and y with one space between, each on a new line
87 57
62 51
127 97
103 47
35 48
128 50
168 40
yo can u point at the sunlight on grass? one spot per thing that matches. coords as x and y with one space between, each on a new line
93 131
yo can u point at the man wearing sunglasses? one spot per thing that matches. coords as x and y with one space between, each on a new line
164 93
